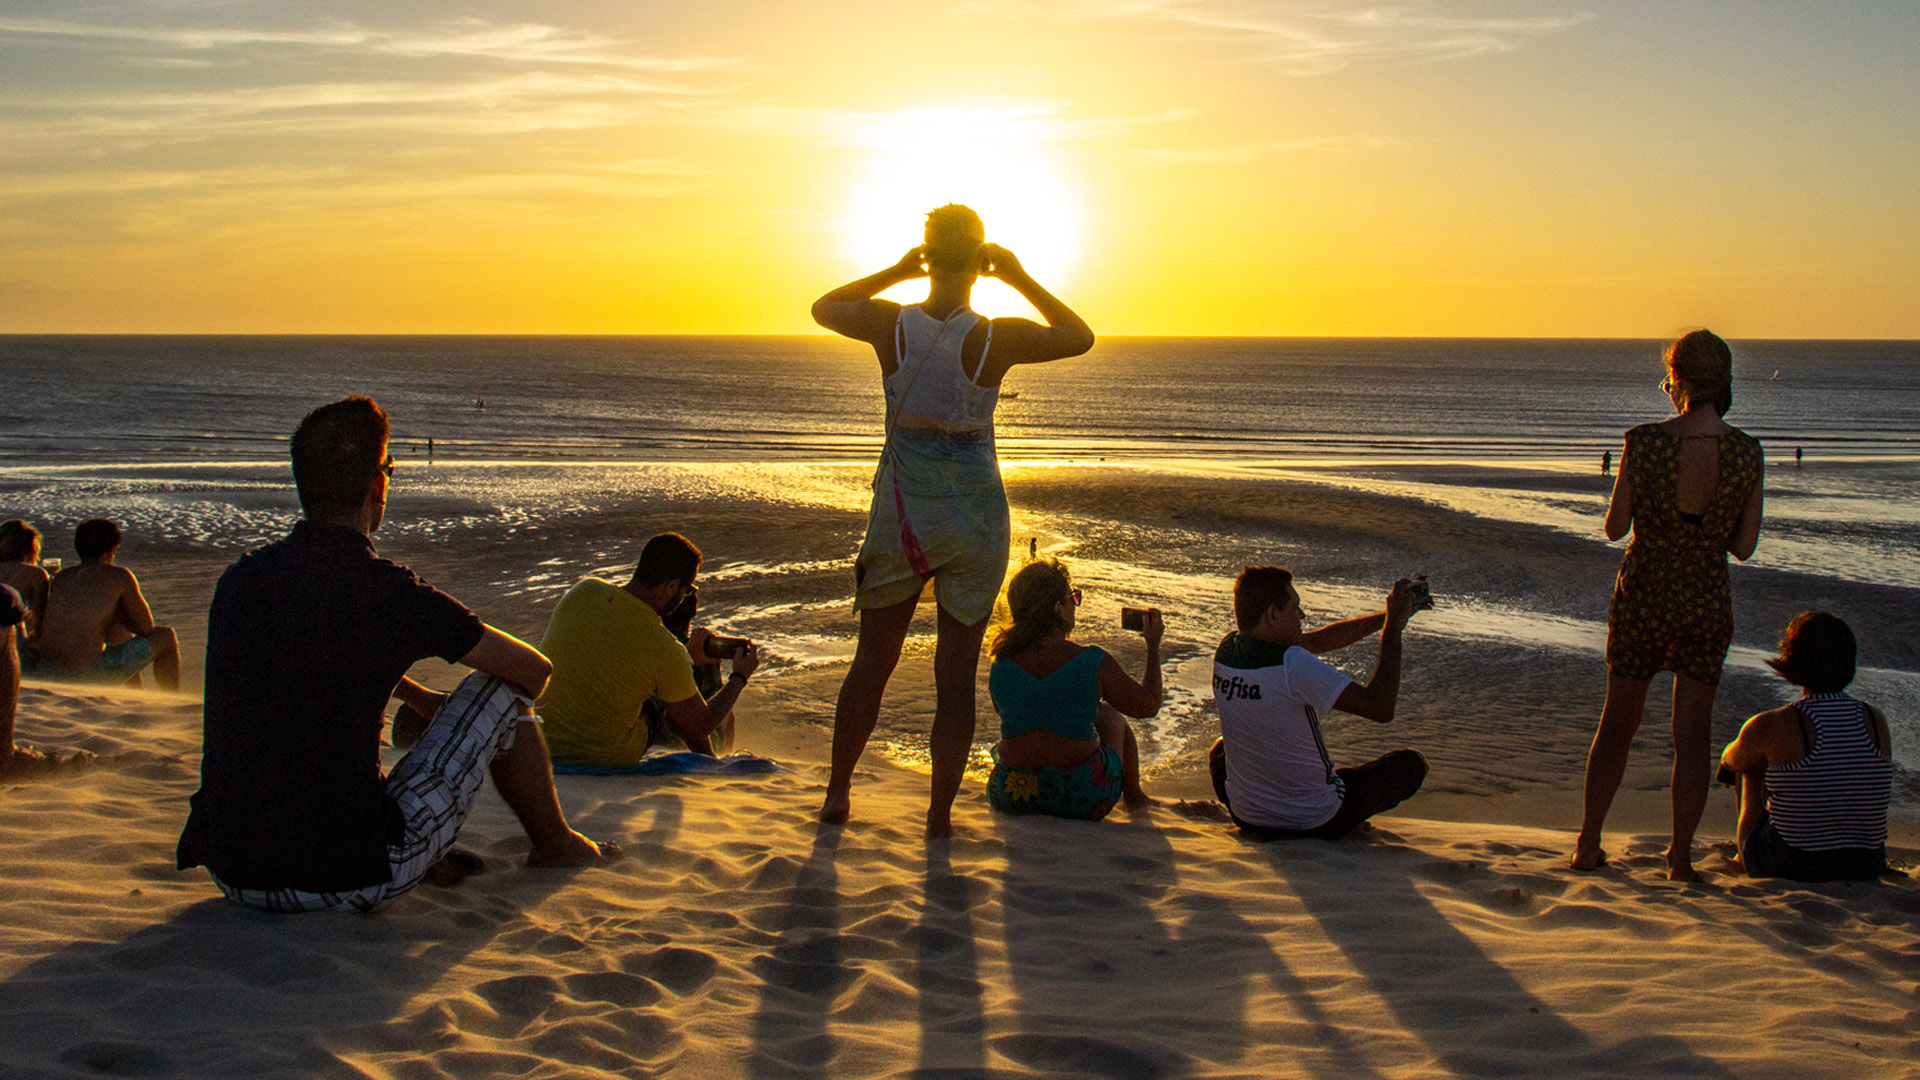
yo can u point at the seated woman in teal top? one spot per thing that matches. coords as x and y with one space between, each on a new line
1065 746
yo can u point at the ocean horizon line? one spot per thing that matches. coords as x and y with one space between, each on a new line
825 335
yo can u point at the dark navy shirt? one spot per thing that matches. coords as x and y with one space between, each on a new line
306 640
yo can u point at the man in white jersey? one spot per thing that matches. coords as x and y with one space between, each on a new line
1270 766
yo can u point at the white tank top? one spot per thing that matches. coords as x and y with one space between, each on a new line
930 387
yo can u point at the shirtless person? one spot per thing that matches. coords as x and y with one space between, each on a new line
96 624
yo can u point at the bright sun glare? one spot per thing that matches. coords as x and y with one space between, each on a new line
993 160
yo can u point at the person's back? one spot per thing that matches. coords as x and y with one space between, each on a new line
85 603
1836 797
1270 714
610 653
1815 776
1272 691
96 624
306 639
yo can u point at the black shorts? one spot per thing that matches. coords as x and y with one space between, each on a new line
1767 854
1373 788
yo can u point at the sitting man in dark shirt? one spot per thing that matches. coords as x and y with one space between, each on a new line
307 638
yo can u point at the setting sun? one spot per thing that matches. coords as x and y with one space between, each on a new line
992 159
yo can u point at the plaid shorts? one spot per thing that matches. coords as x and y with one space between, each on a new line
434 786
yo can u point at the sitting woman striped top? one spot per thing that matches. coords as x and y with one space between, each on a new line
1836 797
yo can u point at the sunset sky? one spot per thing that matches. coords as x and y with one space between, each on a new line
1168 166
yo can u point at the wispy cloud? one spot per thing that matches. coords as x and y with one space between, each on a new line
522 43
968 119
1321 36
1245 153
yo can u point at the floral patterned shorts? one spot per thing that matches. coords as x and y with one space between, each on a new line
1086 791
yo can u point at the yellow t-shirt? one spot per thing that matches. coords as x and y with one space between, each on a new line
610 653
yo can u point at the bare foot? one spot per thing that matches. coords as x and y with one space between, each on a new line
1588 857
1680 868
26 762
1203 810
1138 800
575 850
454 867
836 809
939 827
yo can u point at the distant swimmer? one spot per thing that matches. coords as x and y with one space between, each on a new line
429 449
480 402
1796 455
1033 547
1606 462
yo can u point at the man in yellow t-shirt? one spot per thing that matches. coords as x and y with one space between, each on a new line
611 653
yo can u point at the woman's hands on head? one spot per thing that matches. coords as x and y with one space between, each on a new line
998 262
912 265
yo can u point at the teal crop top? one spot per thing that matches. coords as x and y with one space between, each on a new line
1064 702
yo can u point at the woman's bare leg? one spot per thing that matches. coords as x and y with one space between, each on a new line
882 632
1692 771
1607 764
956 670
1117 733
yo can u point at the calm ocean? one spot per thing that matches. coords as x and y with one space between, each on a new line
109 400
183 440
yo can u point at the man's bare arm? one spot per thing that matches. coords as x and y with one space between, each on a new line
1381 696
135 615
504 656
419 698
1343 633
696 717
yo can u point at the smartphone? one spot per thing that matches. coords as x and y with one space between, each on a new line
724 648
1133 618
1422 595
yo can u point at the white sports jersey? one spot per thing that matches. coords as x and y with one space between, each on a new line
1271 700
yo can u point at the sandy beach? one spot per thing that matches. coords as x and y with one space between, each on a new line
738 939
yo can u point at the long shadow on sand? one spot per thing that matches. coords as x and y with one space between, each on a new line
804 973
1075 950
1217 938
220 990
946 972
1444 990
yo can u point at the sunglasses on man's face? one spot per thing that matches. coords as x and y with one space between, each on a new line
387 466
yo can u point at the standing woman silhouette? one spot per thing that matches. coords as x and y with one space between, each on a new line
1690 489
939 510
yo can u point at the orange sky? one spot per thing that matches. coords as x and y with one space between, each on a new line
1196 167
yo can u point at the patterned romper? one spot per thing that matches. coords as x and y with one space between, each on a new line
1672 608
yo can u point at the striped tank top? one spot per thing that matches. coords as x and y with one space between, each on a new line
1836 797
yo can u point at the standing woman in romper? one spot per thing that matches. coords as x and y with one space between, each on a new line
1689 488
939 510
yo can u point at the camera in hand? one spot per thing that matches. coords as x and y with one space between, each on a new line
1133 618
724 648
1422 595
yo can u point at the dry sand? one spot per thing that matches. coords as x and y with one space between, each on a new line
737 939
